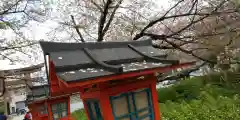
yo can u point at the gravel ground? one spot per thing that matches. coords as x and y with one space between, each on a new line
20 117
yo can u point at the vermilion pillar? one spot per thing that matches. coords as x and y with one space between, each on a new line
106 107
86 109
155 100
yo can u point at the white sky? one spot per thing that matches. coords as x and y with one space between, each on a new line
38 31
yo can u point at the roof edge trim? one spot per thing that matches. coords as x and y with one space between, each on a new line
153 58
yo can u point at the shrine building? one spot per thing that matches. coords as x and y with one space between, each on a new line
116 80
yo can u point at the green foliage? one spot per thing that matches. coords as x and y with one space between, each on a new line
79 115
206 107
1 107
237 2
3 25
209 101
229 80
187 89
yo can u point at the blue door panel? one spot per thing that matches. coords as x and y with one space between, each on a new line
133 115
97 110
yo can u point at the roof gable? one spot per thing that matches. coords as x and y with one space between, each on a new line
82 61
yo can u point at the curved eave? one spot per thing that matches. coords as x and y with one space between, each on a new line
127 75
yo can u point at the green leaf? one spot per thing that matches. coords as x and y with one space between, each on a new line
3 25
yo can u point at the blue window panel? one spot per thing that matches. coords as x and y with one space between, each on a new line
59 110
124 118
134 105
133 112
97 108
145 116
129 107
96 113
150 104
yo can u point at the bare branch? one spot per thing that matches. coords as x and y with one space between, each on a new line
77 29
180 1
200 49
102 20
174 45
205 15
205 35
182 74
16 47
6 57
111 17
200 19
188 52
12 12
9 8
161 18
19 50
95 4
193 5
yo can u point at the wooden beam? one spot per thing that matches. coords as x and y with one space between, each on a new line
15 82
3 92
2 83
15 87
22 81
24 70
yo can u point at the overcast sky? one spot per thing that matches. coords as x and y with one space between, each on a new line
38 31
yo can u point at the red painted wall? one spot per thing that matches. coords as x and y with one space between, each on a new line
103 95
36 114
58 100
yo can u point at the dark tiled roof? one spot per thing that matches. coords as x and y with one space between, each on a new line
38 92
82 61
